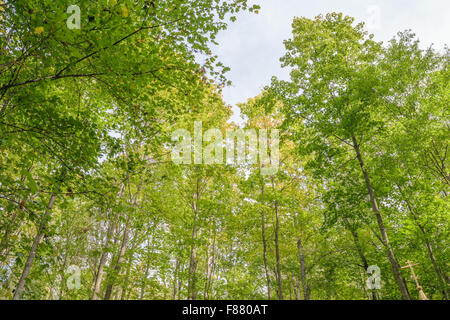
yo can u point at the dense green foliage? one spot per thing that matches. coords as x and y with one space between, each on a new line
93 207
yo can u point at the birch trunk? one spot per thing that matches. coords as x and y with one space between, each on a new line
394 263
37 239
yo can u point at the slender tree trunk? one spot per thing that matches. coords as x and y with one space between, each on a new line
117 265
37 239
296 287
304 281
127 276
192 267
4 245
210 261
277 247
213 271
102 263
180 282
436 268
104 257
394 263
429 248
208 269
124 245
361 256
62 272
147 267
175 279
277 253
263 232
291 288
192 292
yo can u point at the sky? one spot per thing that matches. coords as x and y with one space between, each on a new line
253 45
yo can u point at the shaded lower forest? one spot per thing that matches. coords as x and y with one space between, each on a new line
92 205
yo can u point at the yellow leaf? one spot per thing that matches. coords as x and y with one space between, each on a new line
113 2
38 30
124 11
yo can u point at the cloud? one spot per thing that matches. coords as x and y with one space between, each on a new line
252 45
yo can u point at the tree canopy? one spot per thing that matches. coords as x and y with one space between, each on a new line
93 206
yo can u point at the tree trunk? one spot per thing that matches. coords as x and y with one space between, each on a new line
361 255
297 287
175 279
37 239
101 265
104 256
394 263
147 267
192 267
263 231
127 276
118 264
210 261
429 248
192 292
125 240
303 270
277 253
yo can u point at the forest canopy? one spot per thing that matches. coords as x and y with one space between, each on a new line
337 187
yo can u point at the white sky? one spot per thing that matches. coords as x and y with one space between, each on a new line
253 45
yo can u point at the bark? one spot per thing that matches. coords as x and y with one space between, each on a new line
192 292
102 263
429 248
192 268
4 245
394 263
362 256
104 256
277 248
180 283
175 279
277 253
303 270
147 267
210 262
141 295
291 288
62 272
124 245
208 270
127 277
297 288
263 231
37 239
117 265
